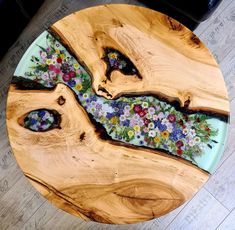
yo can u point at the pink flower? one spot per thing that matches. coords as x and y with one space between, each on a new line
146 129
155 117
137 108
57 71
171 118
51 67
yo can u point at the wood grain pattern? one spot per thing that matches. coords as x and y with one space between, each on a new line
81 179
160 48
45 219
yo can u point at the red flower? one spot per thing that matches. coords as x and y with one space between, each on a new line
59 60
146 121
145 111
179 144
171 118
179 152
137 108
72 74
66 77
141 113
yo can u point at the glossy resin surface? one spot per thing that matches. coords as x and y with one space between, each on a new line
145 120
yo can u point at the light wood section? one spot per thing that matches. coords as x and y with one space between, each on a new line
93 178
173 62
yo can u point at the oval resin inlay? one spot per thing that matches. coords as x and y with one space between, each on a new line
39 120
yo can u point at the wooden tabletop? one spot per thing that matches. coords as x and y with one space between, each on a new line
124 55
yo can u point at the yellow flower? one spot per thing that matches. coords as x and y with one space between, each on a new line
165 134
136 128
76 66
112 55
130 133
114 120
157 139
49 61
57 51
62 56
79 87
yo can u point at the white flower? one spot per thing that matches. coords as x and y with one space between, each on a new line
151 110
192 133
191 143
169 127
148 116
122 118
161 115
151 125
152 133
140 123
197 140
127 108
145 104
165 121
185 131
126 113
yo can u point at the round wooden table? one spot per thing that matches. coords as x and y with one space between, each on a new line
117 114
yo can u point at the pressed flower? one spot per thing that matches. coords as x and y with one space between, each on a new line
114 120
151 125
157 139
72 74
179 144
57 51
130 133
76 66
137 108
62 56
179 152
165 134
191 142
145 104
48 61
197 140
113 55
152 133
72 83
59 60
66 77
171 118
136 128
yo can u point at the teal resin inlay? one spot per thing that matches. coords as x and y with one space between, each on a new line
139 120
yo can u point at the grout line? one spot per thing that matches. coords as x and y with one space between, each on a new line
217 200
187 203
224 219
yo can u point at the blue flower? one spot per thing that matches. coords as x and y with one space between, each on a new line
41 113
126 123
72 83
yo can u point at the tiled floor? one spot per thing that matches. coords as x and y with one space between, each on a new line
21 207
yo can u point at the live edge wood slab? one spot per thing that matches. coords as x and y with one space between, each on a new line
71 161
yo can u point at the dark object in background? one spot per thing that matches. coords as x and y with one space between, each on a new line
188 12
14 16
